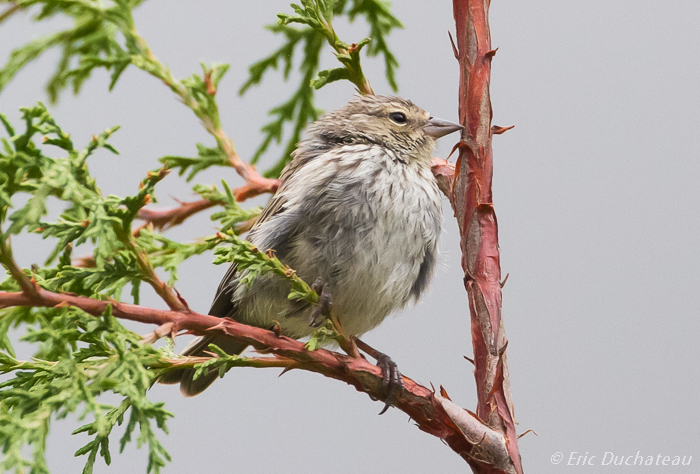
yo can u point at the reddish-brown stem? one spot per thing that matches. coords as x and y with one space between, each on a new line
27 285
254 183
161 331
9 11
472 200
255 186
258 362
167 294
433 414
165 218
444 173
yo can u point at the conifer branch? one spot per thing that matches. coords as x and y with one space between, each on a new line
166 218
434 414
207 110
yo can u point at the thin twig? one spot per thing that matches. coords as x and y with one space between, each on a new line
166 218
444 173
255 183
345 341
161 331
27 286
11 10
166 293
257 362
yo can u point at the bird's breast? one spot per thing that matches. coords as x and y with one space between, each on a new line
371 226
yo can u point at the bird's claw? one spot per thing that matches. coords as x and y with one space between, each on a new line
391 379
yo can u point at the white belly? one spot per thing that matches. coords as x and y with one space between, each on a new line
367 239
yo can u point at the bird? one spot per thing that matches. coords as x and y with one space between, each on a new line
358 212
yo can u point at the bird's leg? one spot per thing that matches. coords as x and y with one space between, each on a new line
346 342
323 308
323 311
391 376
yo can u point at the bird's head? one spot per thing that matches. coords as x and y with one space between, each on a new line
392 122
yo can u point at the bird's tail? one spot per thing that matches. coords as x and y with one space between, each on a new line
189 386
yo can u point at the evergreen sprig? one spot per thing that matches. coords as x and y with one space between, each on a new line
252 263
318 15
104 36
317 18
300 109
378 15
92 39
206 157
169 254
80 357
233 214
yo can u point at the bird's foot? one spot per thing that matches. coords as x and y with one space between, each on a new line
391 377
322 310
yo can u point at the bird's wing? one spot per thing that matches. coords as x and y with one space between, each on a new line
222 305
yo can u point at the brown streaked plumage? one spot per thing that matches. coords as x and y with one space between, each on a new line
357 207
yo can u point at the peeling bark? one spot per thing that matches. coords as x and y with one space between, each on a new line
472 200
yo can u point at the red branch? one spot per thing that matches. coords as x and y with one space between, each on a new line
472 201
165 218
254 183
434 414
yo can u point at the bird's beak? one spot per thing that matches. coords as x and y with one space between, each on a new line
437 128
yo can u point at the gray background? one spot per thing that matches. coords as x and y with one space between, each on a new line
597 201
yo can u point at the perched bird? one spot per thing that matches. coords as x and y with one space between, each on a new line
358 211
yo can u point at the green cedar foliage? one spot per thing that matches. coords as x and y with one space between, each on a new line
78 358
316 17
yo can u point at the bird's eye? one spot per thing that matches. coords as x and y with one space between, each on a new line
398 117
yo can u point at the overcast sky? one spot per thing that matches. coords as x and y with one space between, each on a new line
597 200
